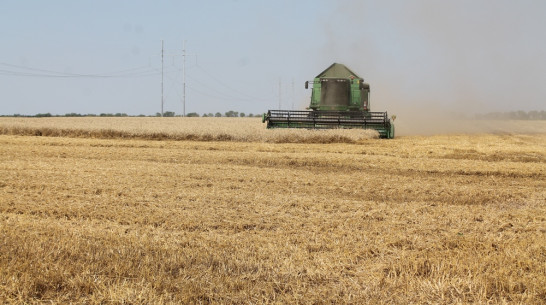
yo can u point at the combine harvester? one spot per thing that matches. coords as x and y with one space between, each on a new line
340 99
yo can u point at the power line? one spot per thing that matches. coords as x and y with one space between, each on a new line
211 89
217 97
162 78
173 83
184 78
229 87
184 54
221 94
17 70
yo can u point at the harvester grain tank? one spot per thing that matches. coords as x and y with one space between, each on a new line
339 99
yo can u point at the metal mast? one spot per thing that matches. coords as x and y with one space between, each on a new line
162 99
184 54
184 80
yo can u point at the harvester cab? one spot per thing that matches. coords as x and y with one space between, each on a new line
339 99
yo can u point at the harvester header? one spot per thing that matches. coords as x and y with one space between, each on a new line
339 99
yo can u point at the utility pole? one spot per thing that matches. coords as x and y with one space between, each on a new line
184 54
162 78
184 78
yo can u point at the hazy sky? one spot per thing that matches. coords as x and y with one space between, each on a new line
424 55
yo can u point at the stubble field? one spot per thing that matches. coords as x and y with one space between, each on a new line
106 216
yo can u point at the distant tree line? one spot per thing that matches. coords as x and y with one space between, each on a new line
72 114
231 114
513 115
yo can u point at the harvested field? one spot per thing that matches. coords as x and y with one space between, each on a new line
447 219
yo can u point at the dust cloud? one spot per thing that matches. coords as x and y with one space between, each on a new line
434 64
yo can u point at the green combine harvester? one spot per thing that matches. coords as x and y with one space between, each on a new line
340 99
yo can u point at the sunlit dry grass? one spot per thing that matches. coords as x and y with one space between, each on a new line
452 219
194 129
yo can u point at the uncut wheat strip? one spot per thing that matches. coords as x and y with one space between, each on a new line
276 136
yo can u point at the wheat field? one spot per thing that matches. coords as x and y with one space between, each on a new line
128 214
192 129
